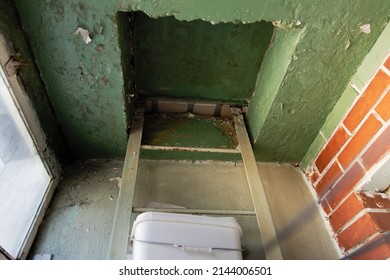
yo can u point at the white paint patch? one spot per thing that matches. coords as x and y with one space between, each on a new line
84 34
365 28
378 178
347 45
118 179
355 87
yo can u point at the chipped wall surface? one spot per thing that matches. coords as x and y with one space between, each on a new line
84 81
86 86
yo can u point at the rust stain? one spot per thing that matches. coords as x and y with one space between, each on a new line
105 80
226 126
100 47
185 129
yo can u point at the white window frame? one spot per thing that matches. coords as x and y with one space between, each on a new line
31 121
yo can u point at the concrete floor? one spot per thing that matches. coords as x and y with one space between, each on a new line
79 220
301 228
201 186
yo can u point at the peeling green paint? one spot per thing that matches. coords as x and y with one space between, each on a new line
325 58
270 78
373 60
85 82
371 63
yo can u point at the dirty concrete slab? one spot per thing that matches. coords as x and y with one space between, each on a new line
79 219
193 185
300 227
201 185
188 130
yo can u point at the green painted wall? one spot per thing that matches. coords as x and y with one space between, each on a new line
373 60
327 54
33 86
85 82
362 77
271 76
198 60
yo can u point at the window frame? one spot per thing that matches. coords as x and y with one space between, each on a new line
32 124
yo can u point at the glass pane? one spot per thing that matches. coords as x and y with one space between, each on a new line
23 177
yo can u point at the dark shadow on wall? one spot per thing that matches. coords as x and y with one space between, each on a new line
194 60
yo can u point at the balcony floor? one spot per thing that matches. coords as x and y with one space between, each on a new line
79 219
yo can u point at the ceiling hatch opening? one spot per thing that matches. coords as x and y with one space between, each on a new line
195 60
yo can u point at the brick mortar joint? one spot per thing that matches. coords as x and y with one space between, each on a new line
358 156
359 245
351 135
360 93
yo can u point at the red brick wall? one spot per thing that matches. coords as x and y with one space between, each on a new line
360 221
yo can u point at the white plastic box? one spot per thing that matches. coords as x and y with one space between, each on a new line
166 236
